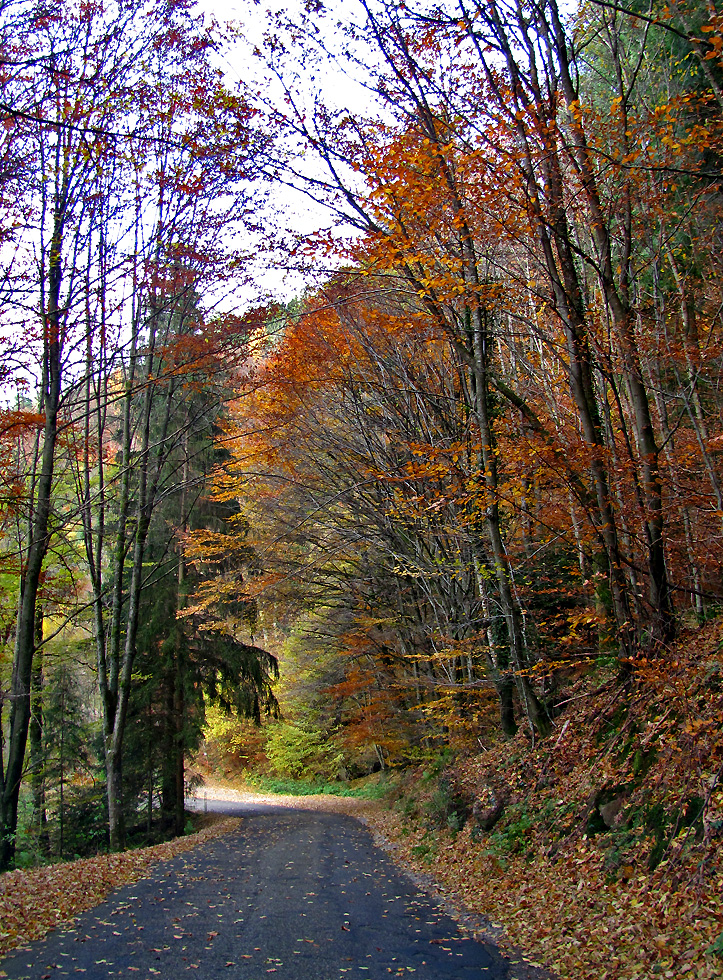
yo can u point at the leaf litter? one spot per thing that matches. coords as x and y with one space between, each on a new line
34 901
636 896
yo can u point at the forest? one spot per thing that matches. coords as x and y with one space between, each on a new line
468 472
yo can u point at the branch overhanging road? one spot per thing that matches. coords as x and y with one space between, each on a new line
291 894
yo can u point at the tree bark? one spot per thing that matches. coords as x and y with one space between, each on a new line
20 685
37 753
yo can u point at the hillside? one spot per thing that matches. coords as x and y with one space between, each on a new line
599 848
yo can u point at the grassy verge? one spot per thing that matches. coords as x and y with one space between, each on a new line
369 790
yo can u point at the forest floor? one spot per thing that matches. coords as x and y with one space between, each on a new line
598 851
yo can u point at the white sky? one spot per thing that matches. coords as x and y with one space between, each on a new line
292 210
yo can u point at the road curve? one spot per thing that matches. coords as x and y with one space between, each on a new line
292 894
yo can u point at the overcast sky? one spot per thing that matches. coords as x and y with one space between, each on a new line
292 210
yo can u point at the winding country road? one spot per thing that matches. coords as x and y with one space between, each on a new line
292 894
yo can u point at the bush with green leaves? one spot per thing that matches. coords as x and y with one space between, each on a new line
303 752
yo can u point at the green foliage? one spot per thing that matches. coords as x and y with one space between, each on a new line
409 809
512 835
86 822
303 752
716 948
231 744
664 825
65 814
642 761
378 790
287 786
447 807
425 850
437 762
31 847
300 787
191 659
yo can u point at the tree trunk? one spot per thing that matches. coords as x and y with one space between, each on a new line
20 685
505 691
169 762
180 771
179 705
510 607
114 792
618 304
37 754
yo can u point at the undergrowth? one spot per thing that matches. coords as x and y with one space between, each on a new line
300 787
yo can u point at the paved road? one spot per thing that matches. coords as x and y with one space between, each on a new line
292 894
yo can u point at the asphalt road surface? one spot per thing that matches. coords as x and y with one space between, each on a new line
292 894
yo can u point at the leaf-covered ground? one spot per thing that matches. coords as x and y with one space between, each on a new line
34 901
606 863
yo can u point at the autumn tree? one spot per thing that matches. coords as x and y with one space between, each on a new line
62 128
135 142
340 453
523 179
460 184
